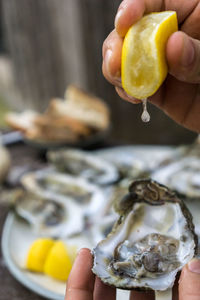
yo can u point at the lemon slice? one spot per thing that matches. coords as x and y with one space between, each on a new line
37 254
59 261
144 67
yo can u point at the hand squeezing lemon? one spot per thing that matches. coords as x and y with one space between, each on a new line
143 66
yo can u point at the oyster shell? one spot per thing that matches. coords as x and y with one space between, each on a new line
183 175
139 162
47 182
151 241
194 207
83 164
48 216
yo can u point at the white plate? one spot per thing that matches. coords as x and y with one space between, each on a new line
16 240
17 235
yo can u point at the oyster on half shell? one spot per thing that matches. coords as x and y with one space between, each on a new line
183 174
151 241
84 194
47 216
85 165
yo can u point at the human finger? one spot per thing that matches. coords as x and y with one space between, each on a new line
183 56
125 96
111 51
102 291
80 284
191 25
130 11
142 295
189 284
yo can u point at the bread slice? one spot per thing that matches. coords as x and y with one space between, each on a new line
62 123
51 135
70 119
79 105
21 121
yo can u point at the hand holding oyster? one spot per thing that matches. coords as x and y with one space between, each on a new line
151 241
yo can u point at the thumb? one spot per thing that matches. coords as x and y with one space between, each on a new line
189 284
183 56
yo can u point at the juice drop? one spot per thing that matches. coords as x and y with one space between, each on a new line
145 115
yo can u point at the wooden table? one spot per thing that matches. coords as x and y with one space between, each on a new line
10 289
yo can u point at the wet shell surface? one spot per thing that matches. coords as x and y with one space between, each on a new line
151 241
85 165
48 216
50 183
182 176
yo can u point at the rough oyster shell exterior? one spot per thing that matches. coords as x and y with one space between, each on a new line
151 241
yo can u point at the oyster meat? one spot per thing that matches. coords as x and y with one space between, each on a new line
86 165
151 241
48 216
48 182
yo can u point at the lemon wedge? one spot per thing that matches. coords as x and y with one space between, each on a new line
143 65
37 254
59 261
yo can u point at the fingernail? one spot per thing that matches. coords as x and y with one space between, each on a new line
194 266
188 53
107 58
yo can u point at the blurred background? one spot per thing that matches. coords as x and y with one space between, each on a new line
46 45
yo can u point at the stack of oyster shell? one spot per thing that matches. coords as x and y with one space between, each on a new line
142 231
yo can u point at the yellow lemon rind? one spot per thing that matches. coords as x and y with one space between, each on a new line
158 41
37 254
58 263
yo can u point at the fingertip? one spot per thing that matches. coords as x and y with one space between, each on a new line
80 284
194 266
112 49
84 252
120 91
84 261
174 50
189 282
180 53
128 13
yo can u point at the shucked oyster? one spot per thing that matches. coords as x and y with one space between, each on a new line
48 182
83 164
139 162
48 216
183 175
152 240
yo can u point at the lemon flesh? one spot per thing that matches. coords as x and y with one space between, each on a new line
143 66
59 262
37 254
